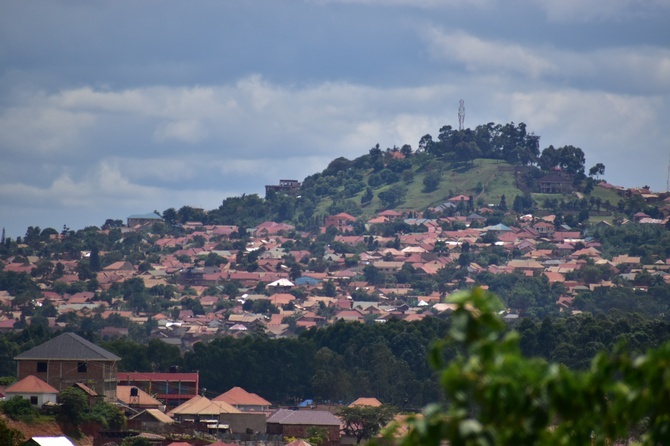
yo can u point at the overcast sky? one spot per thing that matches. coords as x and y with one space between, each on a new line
113 108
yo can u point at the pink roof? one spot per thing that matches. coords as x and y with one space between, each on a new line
345 216
390 213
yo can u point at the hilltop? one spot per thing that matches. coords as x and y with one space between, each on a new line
491 165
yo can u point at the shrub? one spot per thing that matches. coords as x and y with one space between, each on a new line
19 409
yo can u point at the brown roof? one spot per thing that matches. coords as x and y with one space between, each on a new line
144 399
373 402
199 405
87 390
156 414
237 396
30 384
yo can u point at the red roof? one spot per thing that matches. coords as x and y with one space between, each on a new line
156 376
30 384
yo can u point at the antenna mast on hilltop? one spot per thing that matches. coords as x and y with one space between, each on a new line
461 114
667 185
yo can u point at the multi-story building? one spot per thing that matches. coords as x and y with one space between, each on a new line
69 359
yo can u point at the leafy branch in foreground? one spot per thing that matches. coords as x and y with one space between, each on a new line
495 396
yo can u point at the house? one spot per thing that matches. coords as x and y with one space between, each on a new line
295 423
268 228
136 398
32 389
91 395
244 401
200 409
143 219
218 415
339 221
149 420
68 359
544 228
554 184
363 401
390 215
172 389
288 187
459 199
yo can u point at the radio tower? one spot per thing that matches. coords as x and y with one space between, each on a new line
667 185
461 114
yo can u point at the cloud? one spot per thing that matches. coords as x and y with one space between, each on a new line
588 10
477 54
41 129
190 131
200 144
621 131
644 69
427 4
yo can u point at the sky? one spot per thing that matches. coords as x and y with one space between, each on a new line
117 107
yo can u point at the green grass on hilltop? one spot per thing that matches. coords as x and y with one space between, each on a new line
495 176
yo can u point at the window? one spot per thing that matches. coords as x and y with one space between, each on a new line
41 367
33 400
82 367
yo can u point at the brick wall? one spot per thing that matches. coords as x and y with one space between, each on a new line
98 375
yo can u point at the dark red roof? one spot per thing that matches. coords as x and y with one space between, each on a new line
156 376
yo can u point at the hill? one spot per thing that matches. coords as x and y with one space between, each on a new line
493 164
485 179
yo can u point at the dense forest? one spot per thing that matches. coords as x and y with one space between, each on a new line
341 362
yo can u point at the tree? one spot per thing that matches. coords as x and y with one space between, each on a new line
367 195
503 203
108 415
495 395
9 436
372 275
94 259
364 422
431 181
317 435
393 196
73 404
597 170
329 288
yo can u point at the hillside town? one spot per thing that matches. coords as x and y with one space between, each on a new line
354 278
216 281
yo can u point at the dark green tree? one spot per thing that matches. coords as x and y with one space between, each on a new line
365 422
73 406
